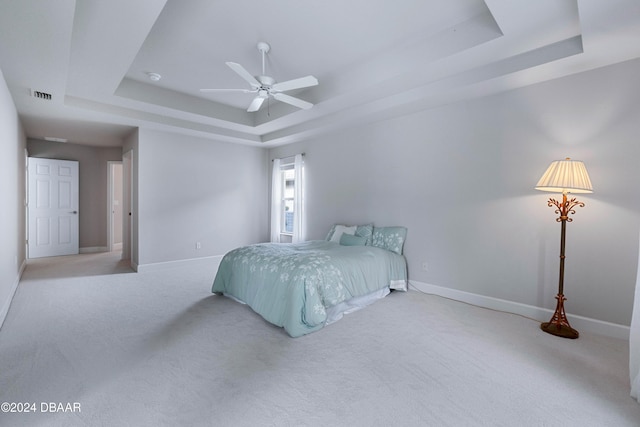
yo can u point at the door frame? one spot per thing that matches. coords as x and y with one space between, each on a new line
127 206
26 203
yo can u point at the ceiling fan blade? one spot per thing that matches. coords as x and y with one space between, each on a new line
293 101
228 90
256 104
295 84
240 70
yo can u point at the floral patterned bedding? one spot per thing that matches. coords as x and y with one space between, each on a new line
293 284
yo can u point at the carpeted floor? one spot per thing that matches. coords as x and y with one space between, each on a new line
156 349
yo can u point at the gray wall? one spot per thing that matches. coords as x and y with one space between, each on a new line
12 194
461 179
93 184
196 190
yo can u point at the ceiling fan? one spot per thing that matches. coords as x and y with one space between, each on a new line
265 86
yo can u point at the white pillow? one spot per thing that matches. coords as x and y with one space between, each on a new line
342 229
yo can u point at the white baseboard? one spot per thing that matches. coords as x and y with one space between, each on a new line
93 249
5 307
210 261
541 314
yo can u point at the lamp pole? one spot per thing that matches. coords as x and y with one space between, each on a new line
559 324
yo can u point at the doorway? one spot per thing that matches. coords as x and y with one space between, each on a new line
114 206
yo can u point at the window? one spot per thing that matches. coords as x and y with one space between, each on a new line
287 200
288 191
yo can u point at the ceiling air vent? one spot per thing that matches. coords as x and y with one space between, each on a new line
41 95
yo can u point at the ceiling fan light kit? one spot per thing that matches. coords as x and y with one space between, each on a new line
265 86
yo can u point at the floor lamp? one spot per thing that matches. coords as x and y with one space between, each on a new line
563 176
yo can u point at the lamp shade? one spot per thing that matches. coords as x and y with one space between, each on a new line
566 176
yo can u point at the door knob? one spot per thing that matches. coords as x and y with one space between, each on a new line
74 212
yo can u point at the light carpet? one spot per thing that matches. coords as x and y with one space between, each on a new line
157 349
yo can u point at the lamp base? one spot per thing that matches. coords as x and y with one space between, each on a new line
559 324
559 330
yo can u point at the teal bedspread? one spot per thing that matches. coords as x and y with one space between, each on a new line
292 285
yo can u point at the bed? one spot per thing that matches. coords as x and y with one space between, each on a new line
303 287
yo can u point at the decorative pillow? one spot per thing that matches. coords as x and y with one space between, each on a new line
365 231
339 230
349 240
389 238
330 233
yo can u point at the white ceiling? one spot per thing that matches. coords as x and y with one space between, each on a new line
373 58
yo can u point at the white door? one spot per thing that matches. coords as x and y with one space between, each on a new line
53 207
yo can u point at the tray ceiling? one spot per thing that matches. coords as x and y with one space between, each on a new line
374 59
